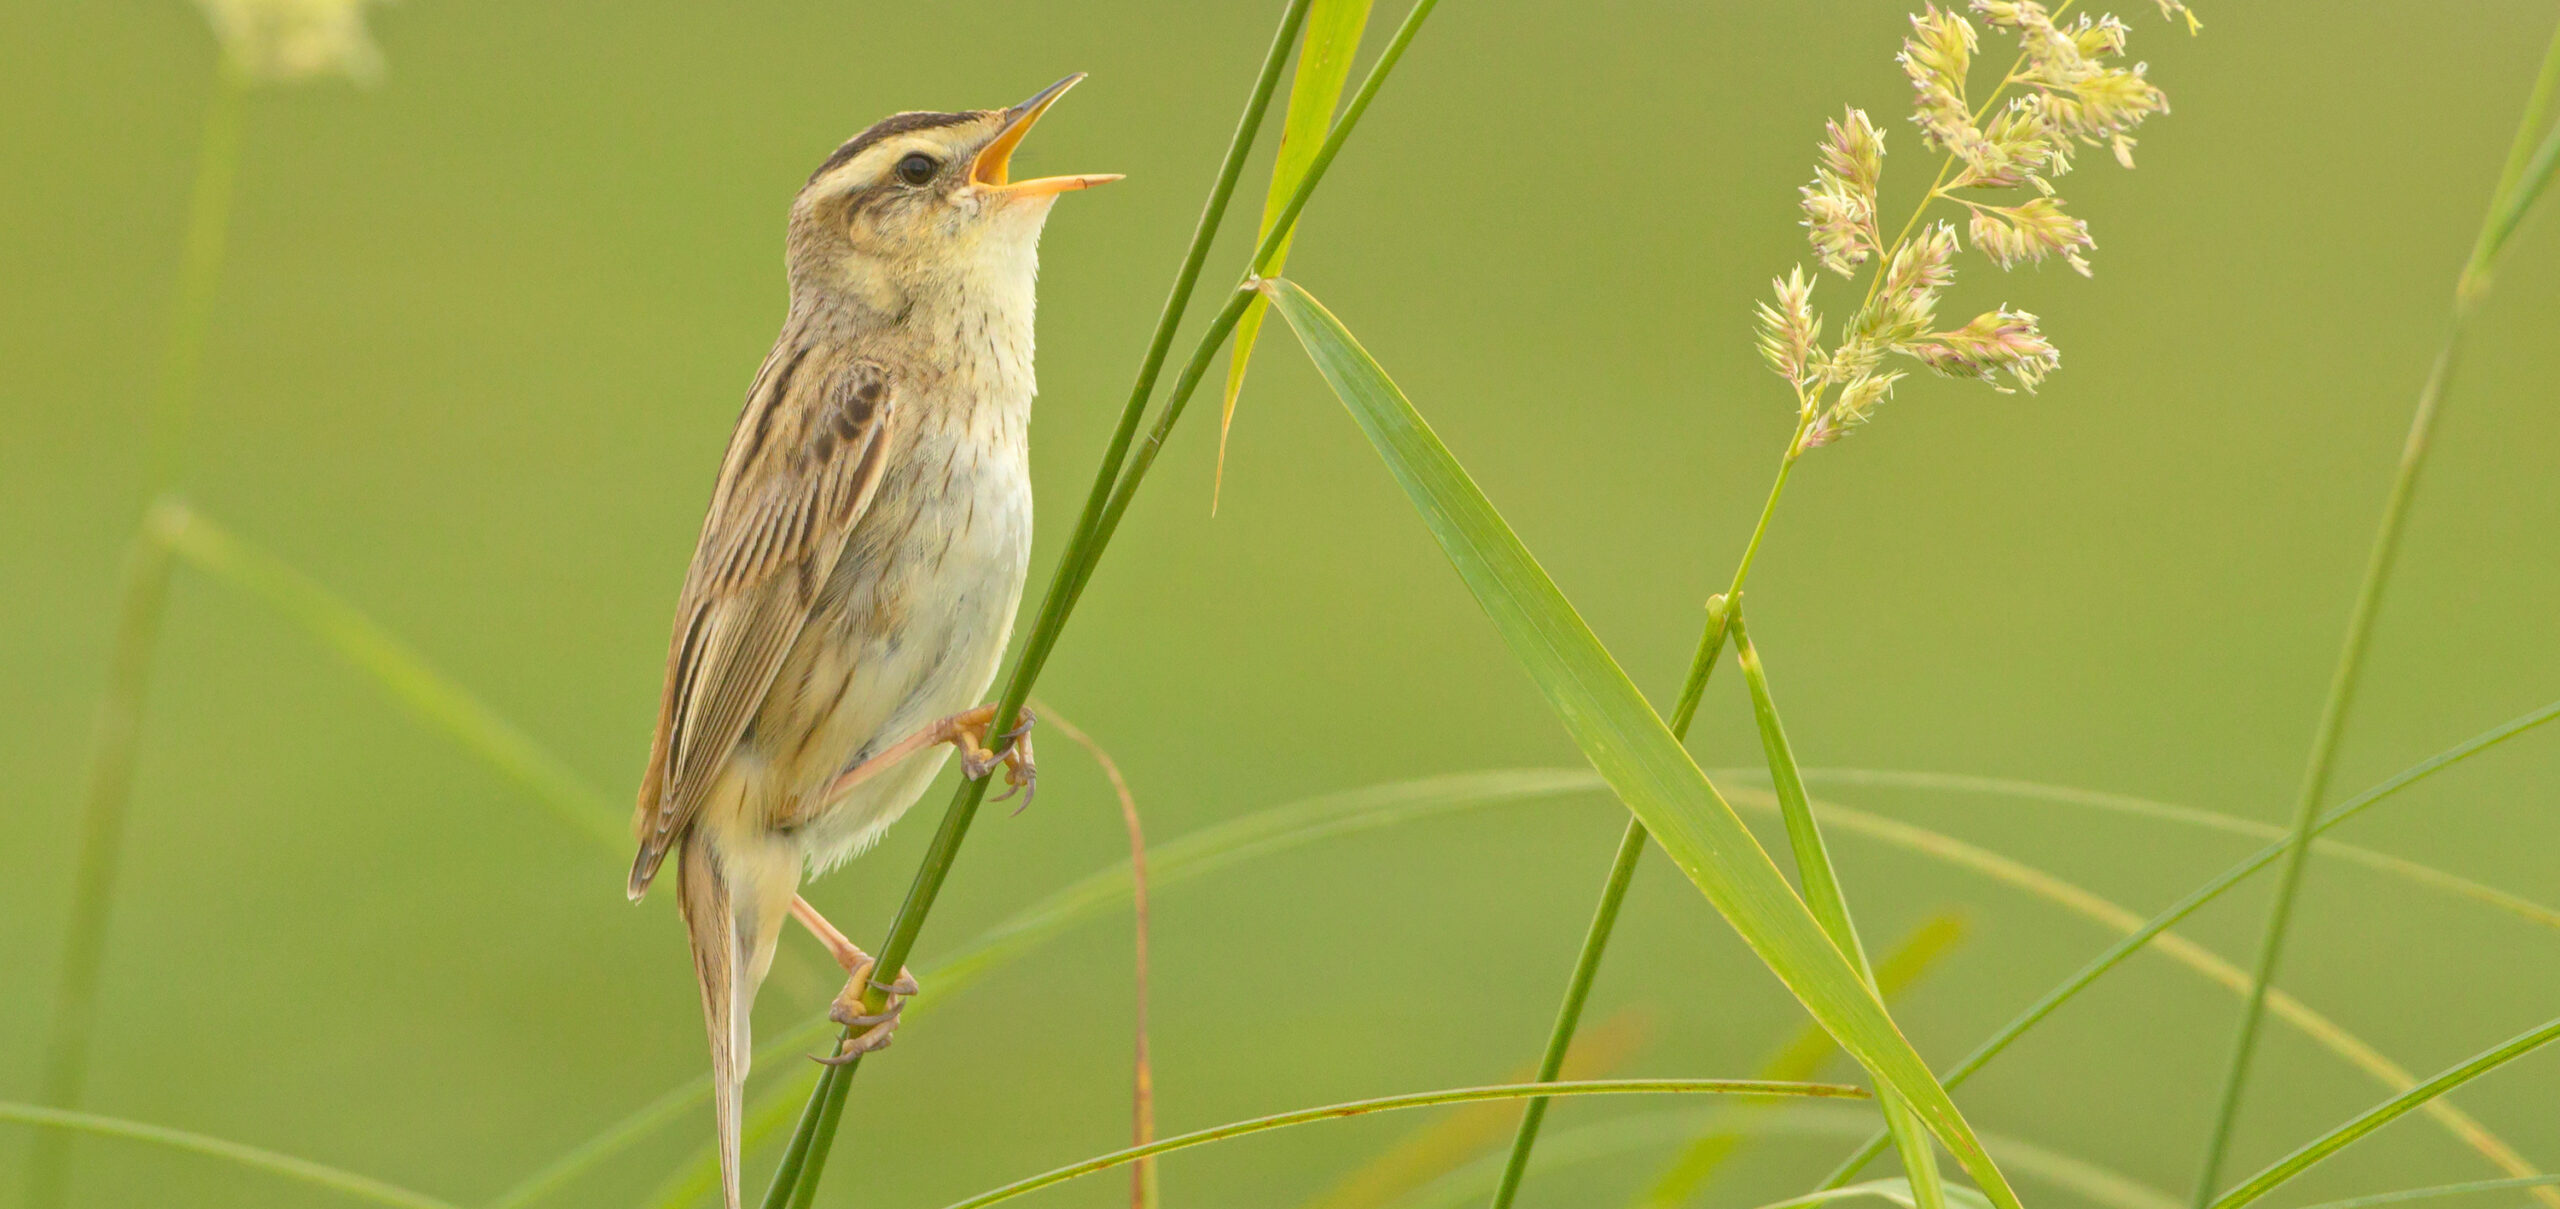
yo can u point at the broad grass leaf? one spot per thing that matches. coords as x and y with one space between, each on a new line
1620 734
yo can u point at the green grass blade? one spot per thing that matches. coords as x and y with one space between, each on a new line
1621 1138
1619 732
2440 1190
2385 1113
2415 872
1897 1190
320 1175
1801 1058
1830 905
1428 1099
1283 828
2213 966
2194 900
2517 190
401 671
1426 1154
1324 65
2528 169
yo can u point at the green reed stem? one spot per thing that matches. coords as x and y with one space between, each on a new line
2348 673
1455 1095
2194 901
116 742
804 1162
1274 241
1577 992
1631 842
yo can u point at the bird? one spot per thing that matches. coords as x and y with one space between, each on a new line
863 556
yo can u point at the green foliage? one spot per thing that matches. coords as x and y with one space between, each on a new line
2390 1110
1620 733
1810 941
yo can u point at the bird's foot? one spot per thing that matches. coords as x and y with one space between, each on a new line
852 1011
1021 771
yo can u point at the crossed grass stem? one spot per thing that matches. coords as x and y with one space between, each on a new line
1115 485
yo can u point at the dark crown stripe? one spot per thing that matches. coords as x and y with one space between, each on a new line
889 127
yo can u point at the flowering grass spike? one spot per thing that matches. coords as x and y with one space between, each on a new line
2067 89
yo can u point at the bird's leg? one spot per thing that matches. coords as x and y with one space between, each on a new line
966 730
849 1009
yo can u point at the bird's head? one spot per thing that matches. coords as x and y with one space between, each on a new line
926 202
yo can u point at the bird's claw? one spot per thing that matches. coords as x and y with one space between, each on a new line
875 1028
1021 770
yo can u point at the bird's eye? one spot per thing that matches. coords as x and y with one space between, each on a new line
917 168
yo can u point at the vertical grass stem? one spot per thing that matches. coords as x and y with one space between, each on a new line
1631 843
116 745
2504 213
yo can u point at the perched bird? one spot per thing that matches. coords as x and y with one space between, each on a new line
857 577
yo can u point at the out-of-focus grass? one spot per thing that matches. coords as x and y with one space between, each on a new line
459 384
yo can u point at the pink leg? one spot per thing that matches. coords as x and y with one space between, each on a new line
849 1009
966 730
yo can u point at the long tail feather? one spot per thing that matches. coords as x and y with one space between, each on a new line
723 961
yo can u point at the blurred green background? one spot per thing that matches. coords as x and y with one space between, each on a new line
485 328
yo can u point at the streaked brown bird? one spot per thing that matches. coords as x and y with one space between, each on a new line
857 577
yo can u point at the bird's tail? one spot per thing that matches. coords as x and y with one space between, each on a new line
732 915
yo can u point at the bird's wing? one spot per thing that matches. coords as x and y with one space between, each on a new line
801 468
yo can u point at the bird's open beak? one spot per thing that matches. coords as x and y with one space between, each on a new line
988 171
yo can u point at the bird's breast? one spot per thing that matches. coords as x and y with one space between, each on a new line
910 626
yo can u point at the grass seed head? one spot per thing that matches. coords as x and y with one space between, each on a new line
1840 204
289 41
1790 332
2001 341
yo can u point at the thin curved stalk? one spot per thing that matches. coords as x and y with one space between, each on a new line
63 1121
1274 830
2400 867
2327 1033
1635 1133
2195 900
2382 1114
1287 827
116 746
2472 287
1144 1188
2439 1190
1281 829
1455 1095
